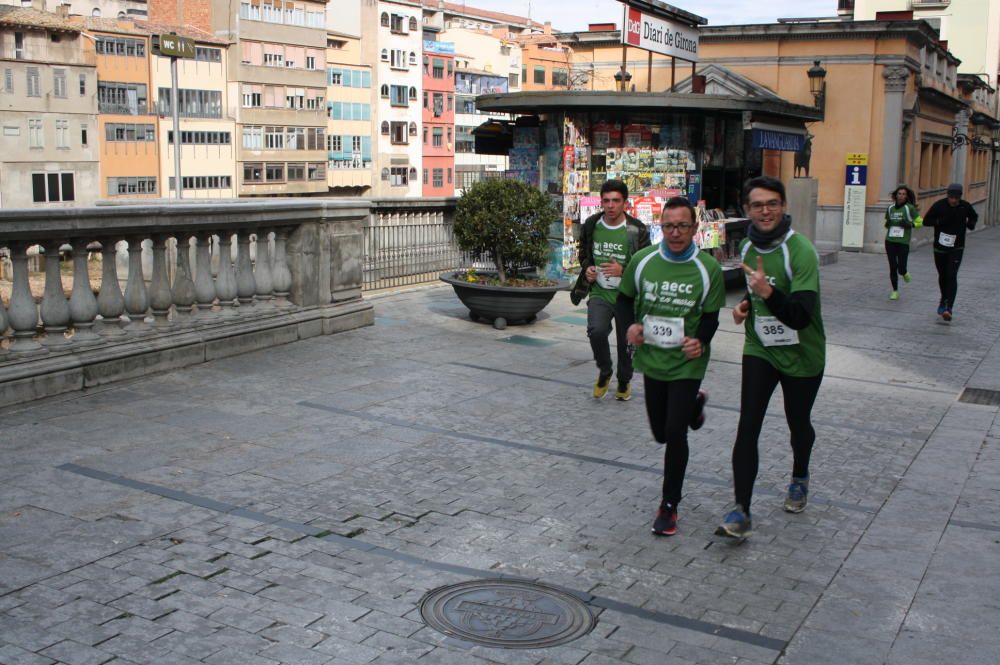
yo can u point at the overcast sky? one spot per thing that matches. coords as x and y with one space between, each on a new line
576 14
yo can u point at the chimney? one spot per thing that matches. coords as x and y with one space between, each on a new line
62 10
547 29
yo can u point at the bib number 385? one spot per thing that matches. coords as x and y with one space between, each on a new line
772 332
663 331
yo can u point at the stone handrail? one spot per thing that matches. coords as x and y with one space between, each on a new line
306 280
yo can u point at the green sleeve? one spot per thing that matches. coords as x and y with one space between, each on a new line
805 267
627 286
716 299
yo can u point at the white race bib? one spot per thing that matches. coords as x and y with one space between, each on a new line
663 331
896 231
772 332
947 239
606 282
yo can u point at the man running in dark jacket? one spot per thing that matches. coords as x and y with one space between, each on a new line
950 217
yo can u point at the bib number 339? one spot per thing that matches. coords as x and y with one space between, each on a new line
663 331
772 332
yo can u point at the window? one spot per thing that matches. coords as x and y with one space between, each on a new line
335 143
310 62
36 134
451 102
464 141
449 176
512 81
119 132
135 48
385 127
315 138
8 80
413 93
438 137
397 176
122 98
397 95
295 138
125 185
19 46
48 187
296 171
413 129
437 71
384 21
396 23
253 172
438 104
274 172
438 178
397 133
413 24
252 97
316 170
397 59
560 78
335 77
539 74
253 138
274 138
62 134
33 85
59 83
384 90
83 135
524 73
203 182
450 67
426 180
449 137
426 130
413 58
83 84
385 55
201 137
205 54
193 103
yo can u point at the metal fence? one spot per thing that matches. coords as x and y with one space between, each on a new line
409 242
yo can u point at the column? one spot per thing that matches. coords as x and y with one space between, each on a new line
22 312
262 268
204 286
245 284
225 281
282 275
110 301
183 289
160 297
82 303
55 308
960 152
136 296
892 129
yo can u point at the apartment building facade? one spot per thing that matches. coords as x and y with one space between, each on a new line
438 110
48 111
349 124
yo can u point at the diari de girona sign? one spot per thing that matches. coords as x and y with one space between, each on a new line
659 35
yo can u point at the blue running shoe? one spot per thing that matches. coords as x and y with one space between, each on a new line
666 520
798 495
736 524
941 309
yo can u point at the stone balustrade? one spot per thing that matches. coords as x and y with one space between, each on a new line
296 272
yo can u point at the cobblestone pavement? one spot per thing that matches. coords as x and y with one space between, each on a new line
294 506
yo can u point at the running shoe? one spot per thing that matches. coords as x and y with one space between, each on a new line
624 391
946 315
699 410
894 295
941 309
601 385
736 524
798 495
665 523
906 277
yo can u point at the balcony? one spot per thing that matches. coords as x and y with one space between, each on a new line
125 109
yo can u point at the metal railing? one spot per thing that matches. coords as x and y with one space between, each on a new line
408 242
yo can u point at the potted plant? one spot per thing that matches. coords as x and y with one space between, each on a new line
505 223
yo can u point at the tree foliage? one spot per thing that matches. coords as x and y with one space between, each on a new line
507 222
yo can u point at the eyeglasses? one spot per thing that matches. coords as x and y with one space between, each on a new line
773 204
670 228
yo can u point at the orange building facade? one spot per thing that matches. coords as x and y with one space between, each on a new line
438 119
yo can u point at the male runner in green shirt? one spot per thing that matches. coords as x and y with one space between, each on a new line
784 343
675 292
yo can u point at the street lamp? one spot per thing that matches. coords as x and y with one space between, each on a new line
622 78
817 85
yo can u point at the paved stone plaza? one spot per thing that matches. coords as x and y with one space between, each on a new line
295 505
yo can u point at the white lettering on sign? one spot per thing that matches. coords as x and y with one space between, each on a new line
659 35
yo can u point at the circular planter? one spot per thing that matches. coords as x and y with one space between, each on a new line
503 304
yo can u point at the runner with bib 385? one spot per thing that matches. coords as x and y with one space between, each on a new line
784 343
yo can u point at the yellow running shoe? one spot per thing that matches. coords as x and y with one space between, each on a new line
894 295
624 392
906 277
601 386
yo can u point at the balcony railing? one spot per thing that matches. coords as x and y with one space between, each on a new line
125 109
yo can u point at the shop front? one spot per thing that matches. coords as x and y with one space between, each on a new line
661 145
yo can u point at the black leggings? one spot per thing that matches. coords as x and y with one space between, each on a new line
947 264
670 407
897 253
759 381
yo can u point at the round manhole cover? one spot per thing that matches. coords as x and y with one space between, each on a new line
507 613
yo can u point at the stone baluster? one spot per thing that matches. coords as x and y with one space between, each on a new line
204 286
246 286
55 307
160 297
3 319
22 311
282 275
263 270
183 290
136 296
110 301
225 281
82 303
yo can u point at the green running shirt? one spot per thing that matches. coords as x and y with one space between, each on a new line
790 266
896 218
663 287
609 243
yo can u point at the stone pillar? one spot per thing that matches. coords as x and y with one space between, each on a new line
892 131
803 199
961 151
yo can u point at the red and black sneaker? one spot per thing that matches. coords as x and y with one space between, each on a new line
665 523
699 410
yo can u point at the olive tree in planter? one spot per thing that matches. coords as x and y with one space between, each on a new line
506 223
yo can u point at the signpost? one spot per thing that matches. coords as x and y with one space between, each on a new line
855 193
657 27
175 47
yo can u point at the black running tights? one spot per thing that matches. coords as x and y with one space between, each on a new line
759 381
947 264
897 254
670 406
